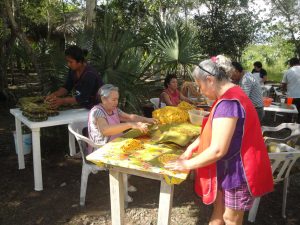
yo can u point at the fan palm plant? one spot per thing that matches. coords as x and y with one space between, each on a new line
119 55
175 45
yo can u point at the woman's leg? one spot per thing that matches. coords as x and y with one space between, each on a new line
218 211
233 217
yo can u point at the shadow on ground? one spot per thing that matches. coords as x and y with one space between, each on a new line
59 202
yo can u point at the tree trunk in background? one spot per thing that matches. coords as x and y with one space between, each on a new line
90 12
16 30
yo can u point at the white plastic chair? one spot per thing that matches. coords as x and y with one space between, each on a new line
76 129
293 137
155 102
87 167
282 162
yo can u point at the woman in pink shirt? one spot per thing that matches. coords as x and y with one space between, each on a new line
170 95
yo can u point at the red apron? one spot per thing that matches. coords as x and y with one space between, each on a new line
254 155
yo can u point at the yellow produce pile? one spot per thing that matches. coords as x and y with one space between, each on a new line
170 114
164 159
185 106
130 145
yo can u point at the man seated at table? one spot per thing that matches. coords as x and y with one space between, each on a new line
291 83
107 122
82 78
171 96
250 85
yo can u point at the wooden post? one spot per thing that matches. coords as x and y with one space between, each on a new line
90 12
116 197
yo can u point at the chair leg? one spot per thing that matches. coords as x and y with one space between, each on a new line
285 190
83 186
127 197
253 210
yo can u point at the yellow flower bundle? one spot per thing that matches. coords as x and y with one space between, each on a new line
185 106
131 144
170 114
164 159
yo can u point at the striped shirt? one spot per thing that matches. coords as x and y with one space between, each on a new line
252 88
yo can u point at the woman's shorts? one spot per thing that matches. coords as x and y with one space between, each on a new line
238 198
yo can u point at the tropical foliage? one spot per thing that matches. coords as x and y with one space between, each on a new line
227 27
175 46
135 43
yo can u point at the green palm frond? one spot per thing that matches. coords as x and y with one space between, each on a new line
119 55
174 44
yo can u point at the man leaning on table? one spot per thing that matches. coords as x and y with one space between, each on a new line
250 85
291 83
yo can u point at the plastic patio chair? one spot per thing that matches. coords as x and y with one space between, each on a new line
155 102
293 137
282 163
76 129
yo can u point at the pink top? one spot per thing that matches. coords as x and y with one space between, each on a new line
94 133
174 96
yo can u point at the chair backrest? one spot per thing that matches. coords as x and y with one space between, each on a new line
283 161
294 135
155 102
76 129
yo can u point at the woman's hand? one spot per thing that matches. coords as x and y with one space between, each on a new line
50 97
56 102
188 152
151 121
143 127
178 165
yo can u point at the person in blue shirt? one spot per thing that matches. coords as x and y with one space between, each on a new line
82 78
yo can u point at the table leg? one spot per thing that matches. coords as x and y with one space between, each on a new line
165 203
19 142
37 164
72 144
116 197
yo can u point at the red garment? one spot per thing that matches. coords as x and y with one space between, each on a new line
254 155
174 96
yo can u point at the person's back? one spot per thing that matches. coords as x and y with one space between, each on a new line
292 79
251 85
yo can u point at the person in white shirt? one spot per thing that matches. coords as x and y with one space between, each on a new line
291 83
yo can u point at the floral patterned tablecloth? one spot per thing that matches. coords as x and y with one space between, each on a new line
149 159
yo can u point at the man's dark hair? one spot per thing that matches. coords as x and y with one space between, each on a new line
294 61
257 64
76 53
237 66
168 79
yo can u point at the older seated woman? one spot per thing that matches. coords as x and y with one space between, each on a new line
171 96
107 122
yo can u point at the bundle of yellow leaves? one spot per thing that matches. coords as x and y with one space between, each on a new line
131 144
164 159
185 106
170 114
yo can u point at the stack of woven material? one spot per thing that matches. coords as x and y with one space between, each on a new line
36 109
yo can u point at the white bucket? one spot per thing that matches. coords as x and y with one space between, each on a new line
27 143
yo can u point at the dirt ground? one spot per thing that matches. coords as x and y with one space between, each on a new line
58 203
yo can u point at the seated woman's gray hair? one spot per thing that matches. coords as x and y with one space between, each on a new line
106 89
